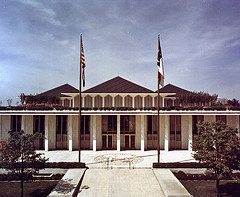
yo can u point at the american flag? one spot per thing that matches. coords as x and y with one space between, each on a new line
160 65
82 59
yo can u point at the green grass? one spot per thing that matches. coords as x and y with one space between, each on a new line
208 188
31 189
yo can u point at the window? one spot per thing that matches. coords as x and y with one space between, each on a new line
108 101
98 101
16 122
148 101
138 102
128 101
88 101
175 132
127 124
61 132
38 126
85 129
152 124
195 120
222 118
118 101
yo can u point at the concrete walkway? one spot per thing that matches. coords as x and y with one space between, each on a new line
120 182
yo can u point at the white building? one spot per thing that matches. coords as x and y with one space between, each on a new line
117 115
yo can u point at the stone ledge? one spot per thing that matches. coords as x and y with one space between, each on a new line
69 184
170 184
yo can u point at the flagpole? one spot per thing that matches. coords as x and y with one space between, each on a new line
80 104
158 125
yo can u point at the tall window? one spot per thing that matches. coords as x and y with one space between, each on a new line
151 132
109 132
152 124
127 124
128 101
61 132
85 129
16 122
127 131
85 132
195 120
175 132
222 118
39 126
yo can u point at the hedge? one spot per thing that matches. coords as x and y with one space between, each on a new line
179 165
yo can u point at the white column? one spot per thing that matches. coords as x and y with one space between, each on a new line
142 132
93 101
46 133
118 133
166 148
153 101
103 101
73 103
94 122
133 101
143 101
83 104
70 131
123 101
113 103
163 101
190 138
23 123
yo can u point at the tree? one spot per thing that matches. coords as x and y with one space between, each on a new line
19 156
9 102
218 146
22 98
234 103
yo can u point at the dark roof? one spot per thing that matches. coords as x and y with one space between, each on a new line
169 88
118 85
66 88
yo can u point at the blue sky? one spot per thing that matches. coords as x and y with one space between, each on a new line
39 44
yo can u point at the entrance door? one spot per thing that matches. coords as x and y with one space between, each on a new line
127 131
107 141
175 133
109 132
129 141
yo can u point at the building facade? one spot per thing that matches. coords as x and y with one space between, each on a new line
116 115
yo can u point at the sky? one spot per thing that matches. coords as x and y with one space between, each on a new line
39 44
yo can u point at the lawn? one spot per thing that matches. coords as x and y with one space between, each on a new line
207 188
33 189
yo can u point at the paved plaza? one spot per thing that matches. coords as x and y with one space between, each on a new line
124 182
132 159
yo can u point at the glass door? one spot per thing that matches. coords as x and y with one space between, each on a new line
127 132
109 132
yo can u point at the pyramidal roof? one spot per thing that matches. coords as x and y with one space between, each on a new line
118 85
169 88
66 88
